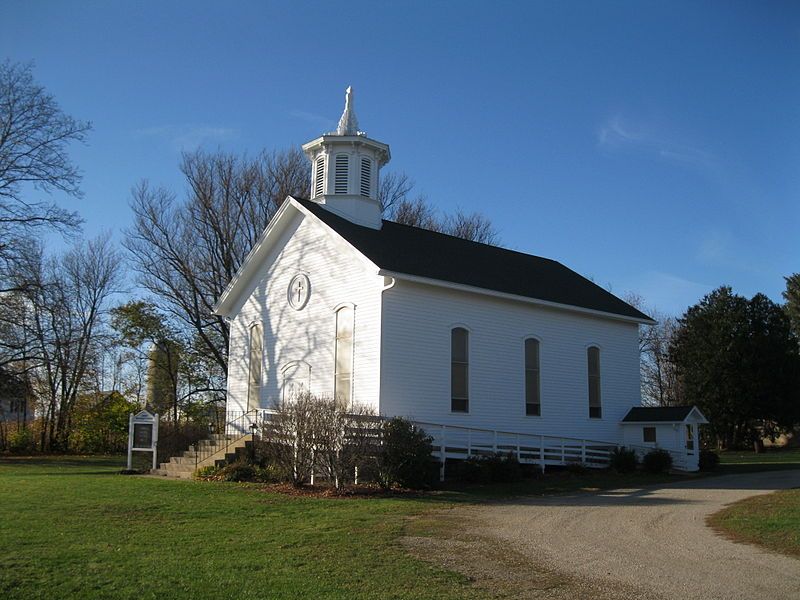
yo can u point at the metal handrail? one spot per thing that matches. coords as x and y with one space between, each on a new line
233 431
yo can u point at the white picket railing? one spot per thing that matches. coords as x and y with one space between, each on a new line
458 442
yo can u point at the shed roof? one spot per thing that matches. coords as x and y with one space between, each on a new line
659 414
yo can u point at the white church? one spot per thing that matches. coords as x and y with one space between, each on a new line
485 348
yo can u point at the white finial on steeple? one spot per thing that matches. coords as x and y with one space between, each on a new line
348 124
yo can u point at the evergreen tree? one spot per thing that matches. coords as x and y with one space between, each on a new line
792 297
737 360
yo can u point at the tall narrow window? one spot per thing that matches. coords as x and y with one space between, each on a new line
343 380
256 354
595 408
459 370
319 176
366 176
341 174
533 406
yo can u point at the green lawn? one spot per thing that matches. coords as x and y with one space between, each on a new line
771 521
770 460
73 528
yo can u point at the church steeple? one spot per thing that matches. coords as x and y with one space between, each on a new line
348 123
344 169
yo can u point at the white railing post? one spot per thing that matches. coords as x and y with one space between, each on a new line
442 452
469 443
494 445
583 452
563 453
518 456
541 452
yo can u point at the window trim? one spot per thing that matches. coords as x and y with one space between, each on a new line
250 383
368 160
319 177
599 348
450 331
336 310
525 374
647 428
336 180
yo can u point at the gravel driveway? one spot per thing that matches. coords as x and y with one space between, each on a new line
653 542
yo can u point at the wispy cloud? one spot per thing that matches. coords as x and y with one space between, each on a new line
319 120
618 133
187 137
668 293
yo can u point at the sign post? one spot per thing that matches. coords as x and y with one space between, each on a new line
142 436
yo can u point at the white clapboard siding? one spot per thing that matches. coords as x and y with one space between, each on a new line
338 274
415 362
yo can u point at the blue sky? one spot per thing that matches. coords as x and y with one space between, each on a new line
652 146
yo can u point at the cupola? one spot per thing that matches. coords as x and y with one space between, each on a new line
344 169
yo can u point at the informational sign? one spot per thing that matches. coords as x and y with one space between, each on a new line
142 435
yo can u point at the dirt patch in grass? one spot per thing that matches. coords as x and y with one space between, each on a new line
350 491
451 539
771 521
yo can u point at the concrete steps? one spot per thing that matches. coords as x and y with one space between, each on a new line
217 449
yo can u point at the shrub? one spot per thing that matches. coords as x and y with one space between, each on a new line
503 468
623 460
491 468
709 460
657 461
20 441
207 472
404 457
471 470
238 471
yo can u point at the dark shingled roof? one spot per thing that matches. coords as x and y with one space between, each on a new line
657 414
422 253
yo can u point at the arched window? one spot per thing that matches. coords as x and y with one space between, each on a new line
343 377
459 370
593 360
319 176
256 355
366 176
340 174
533 403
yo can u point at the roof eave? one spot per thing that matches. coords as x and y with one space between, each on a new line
226 300
515 297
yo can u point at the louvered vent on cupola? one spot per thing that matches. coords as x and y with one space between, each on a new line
366 176
319 177
340 175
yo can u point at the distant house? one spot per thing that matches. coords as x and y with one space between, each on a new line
14 395
480 345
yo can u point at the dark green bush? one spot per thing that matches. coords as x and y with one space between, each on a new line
709 460
623 460
491 468
657 461
503 468
238 471
404 457
471 470
20 441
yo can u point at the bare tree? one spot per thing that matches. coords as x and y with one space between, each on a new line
659 381
34 136
398 205
394 188
417 213
67 305
186 252
471 226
